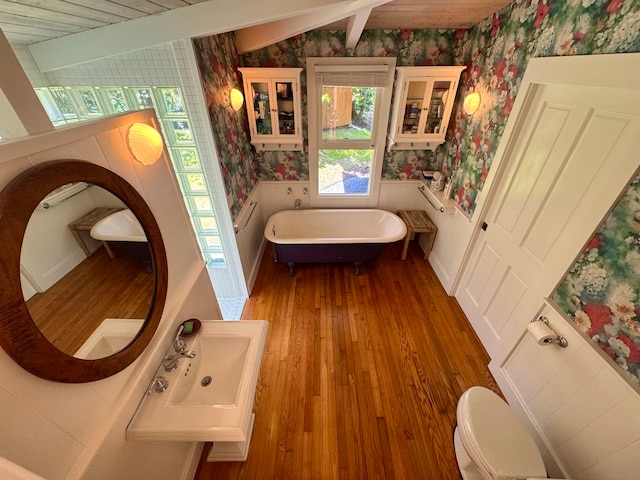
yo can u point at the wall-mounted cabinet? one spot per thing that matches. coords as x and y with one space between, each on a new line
422 107
273 106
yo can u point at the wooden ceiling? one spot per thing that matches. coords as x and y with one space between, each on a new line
33 21
415 14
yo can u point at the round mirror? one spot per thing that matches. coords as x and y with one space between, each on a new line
50 345
70 280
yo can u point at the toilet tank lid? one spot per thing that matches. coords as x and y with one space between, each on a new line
495 437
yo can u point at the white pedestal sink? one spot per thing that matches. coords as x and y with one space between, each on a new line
209 397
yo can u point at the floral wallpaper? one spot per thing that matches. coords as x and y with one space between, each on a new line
410 47
496 52
601 293
218 64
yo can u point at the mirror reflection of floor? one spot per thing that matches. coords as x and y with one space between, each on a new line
98 288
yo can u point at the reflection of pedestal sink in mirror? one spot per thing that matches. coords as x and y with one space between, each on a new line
110 337
209 397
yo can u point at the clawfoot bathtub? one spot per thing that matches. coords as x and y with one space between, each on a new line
332 235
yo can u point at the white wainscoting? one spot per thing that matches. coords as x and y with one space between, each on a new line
249 231
581 408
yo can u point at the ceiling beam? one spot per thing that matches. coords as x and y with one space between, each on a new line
198 20
21 112
356 26
260 36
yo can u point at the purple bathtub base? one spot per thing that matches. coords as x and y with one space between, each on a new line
356 253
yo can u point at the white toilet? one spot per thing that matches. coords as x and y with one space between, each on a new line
491 442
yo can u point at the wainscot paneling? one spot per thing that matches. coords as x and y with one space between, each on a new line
249 231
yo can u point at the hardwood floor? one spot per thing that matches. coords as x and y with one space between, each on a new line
360 375
98 288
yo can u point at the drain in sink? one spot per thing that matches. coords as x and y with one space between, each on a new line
206 381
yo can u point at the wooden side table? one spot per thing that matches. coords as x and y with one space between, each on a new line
87 221
418 221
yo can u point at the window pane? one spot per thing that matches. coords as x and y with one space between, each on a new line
413 107
262 108
180 131
172 100
436 107
194 182
188 159
286 119
207 224
64 104
200 204
344 171
54 113
116 99
347 112
143 98
89 101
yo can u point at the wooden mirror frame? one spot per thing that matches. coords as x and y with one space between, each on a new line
19 335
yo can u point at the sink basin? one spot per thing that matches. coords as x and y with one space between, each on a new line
213 379
209 397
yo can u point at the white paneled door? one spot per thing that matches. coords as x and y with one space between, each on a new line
572 158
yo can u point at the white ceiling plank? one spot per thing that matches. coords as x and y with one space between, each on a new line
61 7
355 26
65 29
113 8
253 38
171 4
48 15
202 19
150 8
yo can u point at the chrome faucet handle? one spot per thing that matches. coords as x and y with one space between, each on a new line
158 384
179 345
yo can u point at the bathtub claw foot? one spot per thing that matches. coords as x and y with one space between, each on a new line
292 271
357 265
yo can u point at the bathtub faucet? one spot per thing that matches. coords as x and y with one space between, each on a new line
298 203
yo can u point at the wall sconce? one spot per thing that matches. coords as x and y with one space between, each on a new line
144 143
471 103
236 99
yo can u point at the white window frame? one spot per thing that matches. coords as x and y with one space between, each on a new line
347 65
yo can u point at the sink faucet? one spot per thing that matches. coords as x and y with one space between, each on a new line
170 362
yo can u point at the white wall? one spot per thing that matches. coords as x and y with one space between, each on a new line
71 431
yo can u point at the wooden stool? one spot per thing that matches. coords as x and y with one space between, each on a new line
87 221
417 221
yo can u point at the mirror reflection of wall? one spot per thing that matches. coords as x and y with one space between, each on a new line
70 280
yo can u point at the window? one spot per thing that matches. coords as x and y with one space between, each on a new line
349 100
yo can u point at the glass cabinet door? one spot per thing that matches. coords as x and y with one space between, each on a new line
437 105
286 111
262 108
413 107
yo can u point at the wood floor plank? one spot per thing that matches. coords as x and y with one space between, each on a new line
361 374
